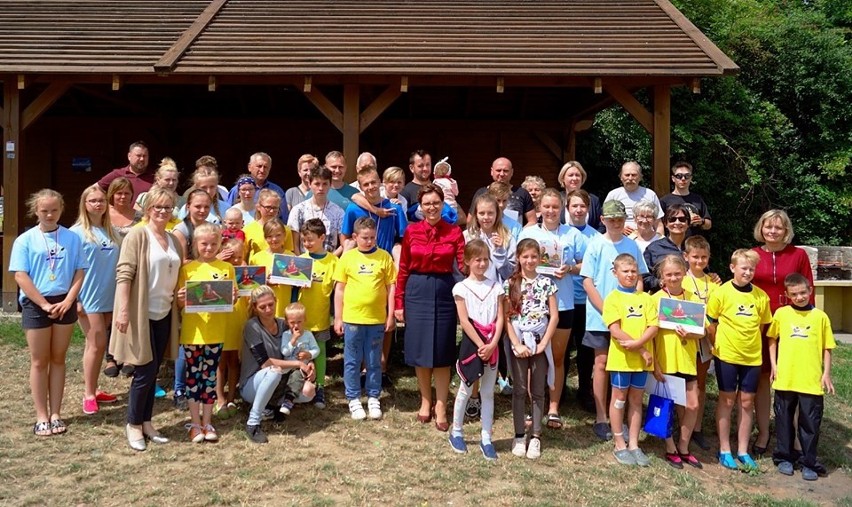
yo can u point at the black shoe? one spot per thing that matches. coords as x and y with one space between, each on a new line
387 383
111 370
180 401
127 370
256 434
698 438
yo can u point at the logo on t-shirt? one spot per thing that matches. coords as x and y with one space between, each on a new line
632 312
800 332
365 269
317 276
745 311
56 253
107 245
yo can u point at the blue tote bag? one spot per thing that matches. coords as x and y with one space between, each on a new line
660 418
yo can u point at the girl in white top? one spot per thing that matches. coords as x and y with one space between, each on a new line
479 302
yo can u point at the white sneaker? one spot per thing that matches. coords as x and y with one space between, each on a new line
519 447
534 449
356 410
374 407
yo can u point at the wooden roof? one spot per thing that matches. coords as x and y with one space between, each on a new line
355 37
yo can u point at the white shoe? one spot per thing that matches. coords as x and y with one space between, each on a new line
534 449
375 408
356 410
519 447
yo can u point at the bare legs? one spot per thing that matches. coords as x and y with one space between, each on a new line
723 420
47 368
94 326
442 391
600 385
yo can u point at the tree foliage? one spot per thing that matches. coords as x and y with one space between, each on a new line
778 135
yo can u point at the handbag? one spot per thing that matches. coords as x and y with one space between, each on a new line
660 418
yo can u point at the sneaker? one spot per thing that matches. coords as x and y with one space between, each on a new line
159 392
374 407
90 406
210 433
474 408
726 459
387 382
698 438
602 431
785 467
534 448
319 398
102 397
356 410
748 464
809 474
267 415
519 447
180 401
624 457
196 434
691 460
640 457
457 443
256 434
286 407
488 451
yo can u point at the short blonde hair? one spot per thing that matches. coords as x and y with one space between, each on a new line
393 173
774 214
159 195
746 255
569 165
295 310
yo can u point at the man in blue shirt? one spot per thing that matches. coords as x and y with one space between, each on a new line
260 165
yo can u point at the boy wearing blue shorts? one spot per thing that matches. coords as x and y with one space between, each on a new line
631 317
737 312
801 335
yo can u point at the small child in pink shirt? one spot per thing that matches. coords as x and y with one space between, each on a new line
443 170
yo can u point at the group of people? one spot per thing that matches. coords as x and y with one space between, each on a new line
534 271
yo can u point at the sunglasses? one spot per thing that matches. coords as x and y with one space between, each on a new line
682 176
678 219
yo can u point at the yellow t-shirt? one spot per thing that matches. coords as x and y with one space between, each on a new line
235 324
367 277
317 297
700 287
256 242
802 337
674 354
204 328
740 316
635 312
283 293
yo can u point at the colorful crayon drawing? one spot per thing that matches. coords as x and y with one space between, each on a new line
249 278
292 270
214 296
677 312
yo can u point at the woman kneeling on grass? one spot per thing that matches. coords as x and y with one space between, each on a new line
48 264
263 365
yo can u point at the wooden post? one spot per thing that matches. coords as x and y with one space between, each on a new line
11 122
662 139
571 152
351 127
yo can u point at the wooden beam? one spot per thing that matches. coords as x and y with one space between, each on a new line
116 82
170 58
378 106
43 102
11 123
662 138
633 106
325 106
551 145
351 131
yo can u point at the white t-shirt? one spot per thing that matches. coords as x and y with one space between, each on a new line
163 269
629 199
480 298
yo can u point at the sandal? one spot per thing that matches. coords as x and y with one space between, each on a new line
674 459
58 427
42 429
554 422
111 369
691 460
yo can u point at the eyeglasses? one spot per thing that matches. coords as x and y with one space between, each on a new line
678 219
268 208
95 201
682 176
433 204
163 209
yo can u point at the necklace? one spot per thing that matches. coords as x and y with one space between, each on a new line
483 298
52 255
700 295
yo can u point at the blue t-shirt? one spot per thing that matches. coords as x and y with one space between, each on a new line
514 227
388 230
569 241
587 232
341 196
597 265
98 291
30 255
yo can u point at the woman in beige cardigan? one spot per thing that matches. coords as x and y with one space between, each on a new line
145 321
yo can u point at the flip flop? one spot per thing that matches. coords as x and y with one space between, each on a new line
42 429
554 422
58 427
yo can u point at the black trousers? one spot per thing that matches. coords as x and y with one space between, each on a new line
585 355
810 417
140 405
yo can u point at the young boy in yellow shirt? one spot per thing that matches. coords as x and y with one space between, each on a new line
801 335
737 312
363 311
631 317
317 296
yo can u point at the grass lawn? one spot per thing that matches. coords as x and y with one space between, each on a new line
324 458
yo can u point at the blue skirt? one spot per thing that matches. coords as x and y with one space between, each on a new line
430 321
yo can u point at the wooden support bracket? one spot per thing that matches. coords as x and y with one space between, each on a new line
306 88
551 145
41 104
403 84
116 82
211 84
378 107
22 81
329 110
633 106
598 86
501 85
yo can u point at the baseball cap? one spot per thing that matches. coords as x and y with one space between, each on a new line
614 209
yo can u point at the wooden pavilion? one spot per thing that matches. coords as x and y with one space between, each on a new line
475 79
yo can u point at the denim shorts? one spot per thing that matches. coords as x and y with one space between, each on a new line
33 317
628 379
